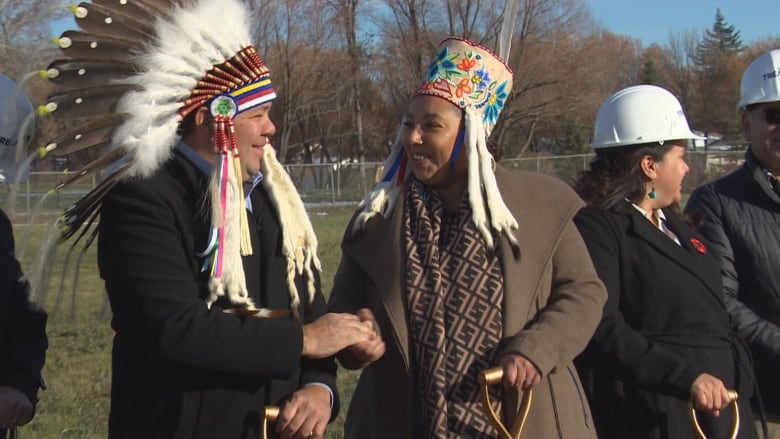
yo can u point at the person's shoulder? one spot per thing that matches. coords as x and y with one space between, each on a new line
174 178
597 221
606 215
725 184
735 186
534 184
527 187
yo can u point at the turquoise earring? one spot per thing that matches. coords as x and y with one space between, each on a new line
652 193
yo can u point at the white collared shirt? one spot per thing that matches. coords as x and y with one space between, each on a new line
660 218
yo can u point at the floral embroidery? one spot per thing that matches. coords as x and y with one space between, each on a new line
698 245
480 79
469 76
495 104
467 63
463 87
443 66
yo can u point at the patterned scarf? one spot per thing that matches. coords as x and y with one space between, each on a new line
454 292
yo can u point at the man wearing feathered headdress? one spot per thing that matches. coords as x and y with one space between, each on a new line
207 253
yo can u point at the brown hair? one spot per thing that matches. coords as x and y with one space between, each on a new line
615 175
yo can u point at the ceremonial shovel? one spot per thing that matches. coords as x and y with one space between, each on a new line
493 376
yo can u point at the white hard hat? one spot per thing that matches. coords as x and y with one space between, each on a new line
640 114
761 80
16 114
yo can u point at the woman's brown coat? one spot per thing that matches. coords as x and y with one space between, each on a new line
552 303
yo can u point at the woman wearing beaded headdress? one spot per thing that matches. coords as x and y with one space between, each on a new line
465 266
207 253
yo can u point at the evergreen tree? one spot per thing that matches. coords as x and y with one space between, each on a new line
717 80
650 74
723 39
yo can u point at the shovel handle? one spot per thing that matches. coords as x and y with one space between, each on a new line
270 413
494 376
734 424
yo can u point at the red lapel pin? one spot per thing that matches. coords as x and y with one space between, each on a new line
699 246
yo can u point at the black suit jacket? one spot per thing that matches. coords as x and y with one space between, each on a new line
664 324
23 340
181 370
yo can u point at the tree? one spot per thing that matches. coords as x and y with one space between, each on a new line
24 34
650 73
680 51
722 39
716 62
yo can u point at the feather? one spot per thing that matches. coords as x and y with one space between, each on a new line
92 133
74 216
139 9
86 46
66 263
96 165
90 101
106 20
72 74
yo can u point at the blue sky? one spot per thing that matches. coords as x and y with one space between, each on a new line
651 21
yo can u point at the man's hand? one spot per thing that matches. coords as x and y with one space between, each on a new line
372 349
15 408
519 372
333 332
305 414
709 394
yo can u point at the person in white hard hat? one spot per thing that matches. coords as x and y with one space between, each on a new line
741 220
665 338
16 127
23 339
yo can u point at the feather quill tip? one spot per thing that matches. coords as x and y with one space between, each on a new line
45 110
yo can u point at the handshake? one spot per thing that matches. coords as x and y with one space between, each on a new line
355 337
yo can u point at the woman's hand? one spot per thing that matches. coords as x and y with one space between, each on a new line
372 349
519 372
709 394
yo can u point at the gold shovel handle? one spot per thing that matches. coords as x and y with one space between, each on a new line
270 414
494 376
734 424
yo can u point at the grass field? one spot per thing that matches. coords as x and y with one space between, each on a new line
78 363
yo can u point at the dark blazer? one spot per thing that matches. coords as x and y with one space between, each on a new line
181 370
664 324
23 339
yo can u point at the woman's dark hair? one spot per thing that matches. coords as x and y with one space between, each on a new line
615 175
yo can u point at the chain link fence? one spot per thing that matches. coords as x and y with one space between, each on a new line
337 183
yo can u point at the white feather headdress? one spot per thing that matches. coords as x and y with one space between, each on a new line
129 77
